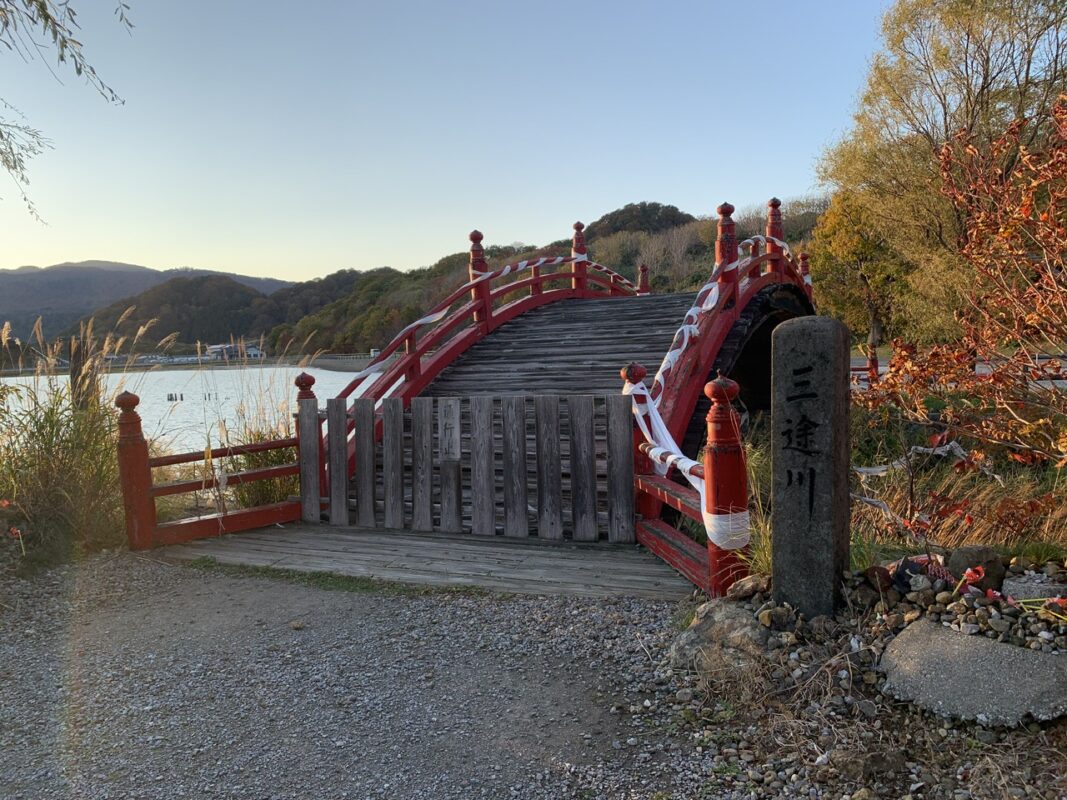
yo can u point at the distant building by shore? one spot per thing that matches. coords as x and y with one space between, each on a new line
229 352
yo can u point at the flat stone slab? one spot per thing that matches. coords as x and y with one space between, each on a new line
974 678
1033 587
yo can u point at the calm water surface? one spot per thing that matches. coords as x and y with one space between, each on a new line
183 408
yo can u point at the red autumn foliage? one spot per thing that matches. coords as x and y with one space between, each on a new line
1015 330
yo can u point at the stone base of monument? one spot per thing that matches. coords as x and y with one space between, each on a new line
969 657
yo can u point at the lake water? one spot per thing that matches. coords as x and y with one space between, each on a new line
182 408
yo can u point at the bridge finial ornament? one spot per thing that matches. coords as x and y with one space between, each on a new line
774 219
477 260
578 248
726 241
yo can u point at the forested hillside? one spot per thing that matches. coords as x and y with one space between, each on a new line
355 311
678 248
64 293
216 308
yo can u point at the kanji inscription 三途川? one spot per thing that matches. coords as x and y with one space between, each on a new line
809 412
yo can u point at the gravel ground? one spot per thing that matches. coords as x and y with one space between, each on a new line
124 677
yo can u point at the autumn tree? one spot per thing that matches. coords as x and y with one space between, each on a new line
945 66
1015 321
857 276
29 29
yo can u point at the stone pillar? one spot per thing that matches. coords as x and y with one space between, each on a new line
810 452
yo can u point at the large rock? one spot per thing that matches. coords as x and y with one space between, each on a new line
965 558
722 632
1033 587
974 678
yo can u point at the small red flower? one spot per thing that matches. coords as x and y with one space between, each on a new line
974 575
14 532
5 503
993 594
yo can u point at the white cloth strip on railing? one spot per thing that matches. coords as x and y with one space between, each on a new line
727 531
707 299
950 449
521 266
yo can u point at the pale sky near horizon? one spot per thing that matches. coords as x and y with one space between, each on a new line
261 139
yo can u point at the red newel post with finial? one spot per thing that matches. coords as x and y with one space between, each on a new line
726 247
635 373
642 280
480 293
135 474
579 282
725 486
775 231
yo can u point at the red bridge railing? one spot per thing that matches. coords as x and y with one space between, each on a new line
474 310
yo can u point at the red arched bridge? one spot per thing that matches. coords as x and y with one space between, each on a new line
501 413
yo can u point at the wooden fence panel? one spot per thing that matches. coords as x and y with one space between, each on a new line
549 468
483 476
516 498
583 468
450 466
363 416
337 434
393 461
422 464
620 440
501 466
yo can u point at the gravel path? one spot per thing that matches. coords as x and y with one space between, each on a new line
122 677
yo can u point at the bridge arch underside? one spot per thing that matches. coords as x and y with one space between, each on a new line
745 355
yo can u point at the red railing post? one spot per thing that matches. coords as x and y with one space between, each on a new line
775 231
805 273
726 485
646 505
726 248
480 293
535 274
642 280
579 282
135 474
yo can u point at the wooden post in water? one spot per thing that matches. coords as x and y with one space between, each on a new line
135 474
307 431
810 462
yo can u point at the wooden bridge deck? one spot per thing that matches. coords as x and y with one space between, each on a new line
522 567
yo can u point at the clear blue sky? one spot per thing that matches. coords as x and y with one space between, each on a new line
295 139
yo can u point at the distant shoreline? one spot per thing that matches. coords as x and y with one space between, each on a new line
353 363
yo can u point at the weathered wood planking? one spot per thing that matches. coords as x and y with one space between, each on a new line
549 468
521 566
363 417
620 440
513 421
422 464
583 468
449 465
307 430
393 461
482 474
337 433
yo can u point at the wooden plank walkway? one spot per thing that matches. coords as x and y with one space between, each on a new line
432 559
